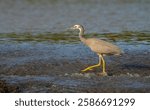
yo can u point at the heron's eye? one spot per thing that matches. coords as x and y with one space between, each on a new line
75 26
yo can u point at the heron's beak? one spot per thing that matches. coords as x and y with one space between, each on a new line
72 28
69 29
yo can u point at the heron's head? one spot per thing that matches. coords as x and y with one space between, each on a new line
77 26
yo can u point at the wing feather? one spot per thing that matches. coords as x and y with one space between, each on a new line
102 47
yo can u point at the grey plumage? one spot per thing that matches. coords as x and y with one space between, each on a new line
98 46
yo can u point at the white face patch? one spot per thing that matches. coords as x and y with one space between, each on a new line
76 26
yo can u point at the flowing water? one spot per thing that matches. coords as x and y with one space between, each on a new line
39 54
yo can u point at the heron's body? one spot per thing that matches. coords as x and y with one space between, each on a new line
98 46
102 47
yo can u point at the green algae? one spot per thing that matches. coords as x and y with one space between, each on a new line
126 36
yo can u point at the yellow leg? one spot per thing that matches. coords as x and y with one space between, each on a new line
104 64
90 67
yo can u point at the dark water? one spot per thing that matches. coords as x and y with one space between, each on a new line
38 54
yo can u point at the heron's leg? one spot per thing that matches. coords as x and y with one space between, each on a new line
90 67
104 65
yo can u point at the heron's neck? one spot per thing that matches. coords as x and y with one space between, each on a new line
81 32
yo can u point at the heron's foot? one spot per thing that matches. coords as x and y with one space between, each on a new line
90 67
86 69
103 74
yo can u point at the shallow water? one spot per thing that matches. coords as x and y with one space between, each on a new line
27 47
38 54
